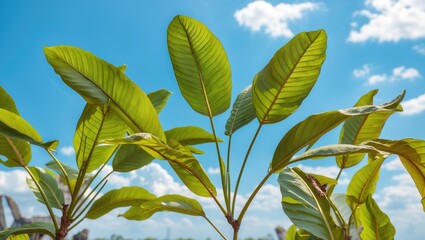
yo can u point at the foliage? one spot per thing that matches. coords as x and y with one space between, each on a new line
120 124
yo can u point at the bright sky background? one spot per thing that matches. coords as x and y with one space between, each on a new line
371 44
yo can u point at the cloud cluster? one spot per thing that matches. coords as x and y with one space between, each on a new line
413 106
274 20
398 73
390 21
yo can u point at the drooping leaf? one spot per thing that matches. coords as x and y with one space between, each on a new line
376 224
123 197
101 83
282 85
49 186
336 150
130 157
6 102
36 227
170 203
315 126
181 160
242 113
14 126
190 135
305 207
70 171
193 149
200 65
159 99
412 155
95 124
362 128
363 184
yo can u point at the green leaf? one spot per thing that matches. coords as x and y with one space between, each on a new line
37 227
294 233
130 157
190 135
362 128
313 127
71 172
6 102
363 184
181 160
14 126
243 111
101 83
170 203
412 155
159 99
336 150
19 237
305 207
376 224
282 85
49 185
123 197
339 200
200 65
96 123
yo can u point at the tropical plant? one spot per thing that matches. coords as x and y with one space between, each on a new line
120 124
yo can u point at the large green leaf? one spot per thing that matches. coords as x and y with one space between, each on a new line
130 157
181 159
190 135
159 99
49 186
412 155
243 111
96 123
14 126
363 184
37 227
282 85
340 202
376 224
313 127
294 233
170 203
336 150
305 206
71 172
123 197
362 128
101 83
200 65
6 102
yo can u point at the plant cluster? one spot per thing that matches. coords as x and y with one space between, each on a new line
120 124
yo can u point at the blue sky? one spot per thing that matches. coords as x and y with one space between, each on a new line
371 44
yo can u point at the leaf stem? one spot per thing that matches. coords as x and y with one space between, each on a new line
61 168
243 167
228 173
212 224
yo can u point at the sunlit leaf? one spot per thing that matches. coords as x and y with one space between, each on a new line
49 186
242 113
190 135
130 157
159 99
315 126
123 197
169 203
37 227
200 65
305 206
282 85
376 224
19 237
101 83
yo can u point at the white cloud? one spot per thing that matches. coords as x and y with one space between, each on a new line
68 150
413 106
393 165
420 48
390 21
13 182
398 73
274 20
213 171
362 72
330 171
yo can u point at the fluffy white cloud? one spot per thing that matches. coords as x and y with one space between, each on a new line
390 21
393 165
13 182
213 171
413 106
274 20
398 73
420 48
68 150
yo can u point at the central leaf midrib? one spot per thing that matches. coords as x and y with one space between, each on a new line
289 76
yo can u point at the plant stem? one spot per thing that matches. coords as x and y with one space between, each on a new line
243 167
89 204
61 168
228 171
212 224
331 188
222 171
